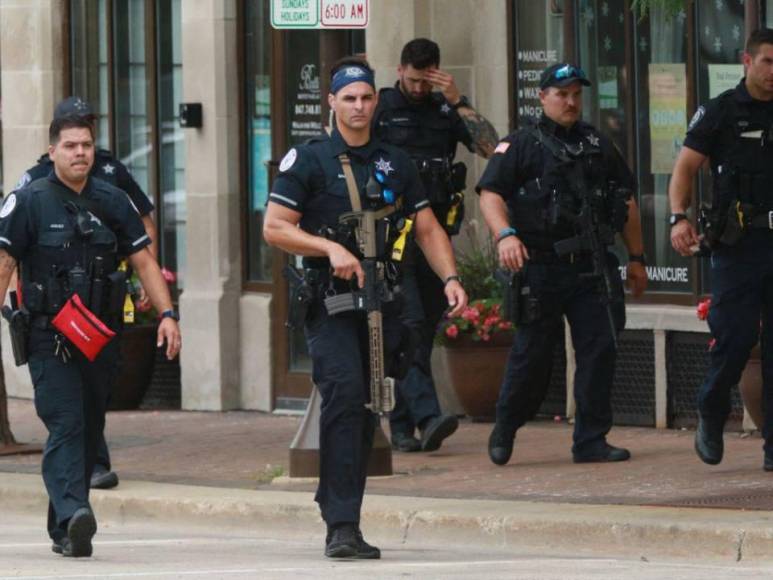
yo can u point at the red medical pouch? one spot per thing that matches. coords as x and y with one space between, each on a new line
82 327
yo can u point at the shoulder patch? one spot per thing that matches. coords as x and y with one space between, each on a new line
696 118
23 180
288 160
502 147
8 206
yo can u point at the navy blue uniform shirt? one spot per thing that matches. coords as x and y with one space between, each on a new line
311 179
21 220
107 168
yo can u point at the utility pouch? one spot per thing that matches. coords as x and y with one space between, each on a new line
511 294
82 328
458 177
455 214
734 225
79 283
301 297
116 293
19 330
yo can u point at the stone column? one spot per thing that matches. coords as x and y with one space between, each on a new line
32 76
209 304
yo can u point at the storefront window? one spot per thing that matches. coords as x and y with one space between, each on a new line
539 37
172 140
89 57
661 83
258 108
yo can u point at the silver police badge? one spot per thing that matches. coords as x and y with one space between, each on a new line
384 166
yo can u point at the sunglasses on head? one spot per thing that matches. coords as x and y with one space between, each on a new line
569 72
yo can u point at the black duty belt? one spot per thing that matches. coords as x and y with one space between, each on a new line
550 257
41 321
762 221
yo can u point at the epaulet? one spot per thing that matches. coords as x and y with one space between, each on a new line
105 153
34 185
44 159
103 186
321 138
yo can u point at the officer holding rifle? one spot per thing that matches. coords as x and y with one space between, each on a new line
347 203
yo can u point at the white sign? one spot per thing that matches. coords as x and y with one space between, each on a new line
319 13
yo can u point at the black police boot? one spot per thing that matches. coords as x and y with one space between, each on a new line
436 429
768 463
342 542
405 442
80 529
101 478
608 454
56 547
364 550
709 444
500 444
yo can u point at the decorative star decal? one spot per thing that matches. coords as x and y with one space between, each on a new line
445 108
589 16
707 30
384 166
736 32
720 4
717 44
682 16
643 44
621 18
108 169
593 140
605 8
607 43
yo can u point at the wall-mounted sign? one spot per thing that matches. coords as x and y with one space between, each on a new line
668 114
319 13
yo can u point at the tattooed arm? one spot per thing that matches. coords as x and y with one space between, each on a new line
484 136
7 267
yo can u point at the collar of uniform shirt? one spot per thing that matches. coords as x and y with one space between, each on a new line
338 146
554 128
52 176
742 93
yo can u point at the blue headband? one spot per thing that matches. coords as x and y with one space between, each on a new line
351 74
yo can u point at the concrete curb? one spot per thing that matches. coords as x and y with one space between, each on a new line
621 531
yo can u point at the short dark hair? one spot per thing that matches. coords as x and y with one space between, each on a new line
67 122
420 53
757 38
349 61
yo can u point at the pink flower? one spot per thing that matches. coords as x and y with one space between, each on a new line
471 314
712 342
452 331
142 306
169 276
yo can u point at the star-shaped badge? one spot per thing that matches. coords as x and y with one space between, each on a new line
384 166
108 169
593 140
445 108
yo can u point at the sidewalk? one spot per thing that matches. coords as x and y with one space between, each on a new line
529 499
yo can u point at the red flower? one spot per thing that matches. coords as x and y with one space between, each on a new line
471 314
703 309
140 306
452 331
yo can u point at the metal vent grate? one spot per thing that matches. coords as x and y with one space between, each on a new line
633 390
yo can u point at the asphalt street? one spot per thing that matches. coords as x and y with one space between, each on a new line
166 552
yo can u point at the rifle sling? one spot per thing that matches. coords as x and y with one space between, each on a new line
354 192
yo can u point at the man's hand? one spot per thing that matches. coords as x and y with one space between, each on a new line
512 253
457 298
445 83
169 332
684 238
636 278
345 265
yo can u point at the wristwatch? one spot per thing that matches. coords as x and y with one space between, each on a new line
173 314
675 218
456 277
462 102
637 258
506 233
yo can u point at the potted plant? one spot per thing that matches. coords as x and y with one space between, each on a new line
475 344
138 347
750 385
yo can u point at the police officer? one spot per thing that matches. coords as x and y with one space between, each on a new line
65 232
428 126
540 186
109 169
735 132
311 192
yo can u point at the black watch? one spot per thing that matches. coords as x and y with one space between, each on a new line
173 314
462 102
637 258
675 218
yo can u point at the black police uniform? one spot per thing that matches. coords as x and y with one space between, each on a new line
107 168
40 232
736 132
531 179
311 181
429 131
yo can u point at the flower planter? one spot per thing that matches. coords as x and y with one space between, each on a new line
138 354
475 370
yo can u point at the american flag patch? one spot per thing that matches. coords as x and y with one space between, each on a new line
502 147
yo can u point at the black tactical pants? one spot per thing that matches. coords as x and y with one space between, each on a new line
424 304
71 399
338 346
562 292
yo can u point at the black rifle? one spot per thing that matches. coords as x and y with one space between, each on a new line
594 236
368 227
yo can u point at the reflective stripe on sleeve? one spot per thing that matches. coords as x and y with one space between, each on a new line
283 198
